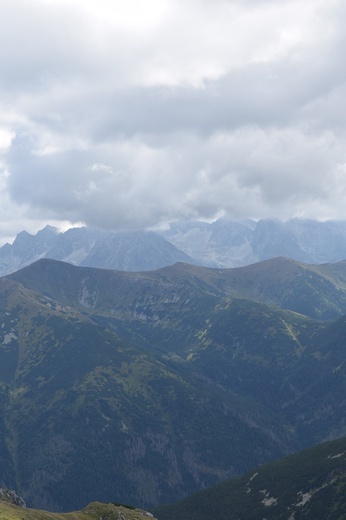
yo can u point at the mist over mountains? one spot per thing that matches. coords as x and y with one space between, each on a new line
223 243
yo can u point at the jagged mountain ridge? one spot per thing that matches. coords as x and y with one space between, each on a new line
223 243
135 251
227 243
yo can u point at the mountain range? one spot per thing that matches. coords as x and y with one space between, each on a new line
223 243
145 387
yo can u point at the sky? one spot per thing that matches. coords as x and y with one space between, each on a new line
128 114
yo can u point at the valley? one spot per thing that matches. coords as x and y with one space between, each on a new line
146 387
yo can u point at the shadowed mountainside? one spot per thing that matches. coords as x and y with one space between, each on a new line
308 485
143 387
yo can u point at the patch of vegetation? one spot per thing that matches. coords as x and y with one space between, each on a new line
308 485
94 511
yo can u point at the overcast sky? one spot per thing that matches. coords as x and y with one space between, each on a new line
126 114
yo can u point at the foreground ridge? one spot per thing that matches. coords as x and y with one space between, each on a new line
308 485
94 511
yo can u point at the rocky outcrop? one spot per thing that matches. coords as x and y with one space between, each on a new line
8 495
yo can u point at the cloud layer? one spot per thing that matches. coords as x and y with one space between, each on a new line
130 114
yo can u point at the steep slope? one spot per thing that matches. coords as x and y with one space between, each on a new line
308 485
317 291
185 314
89 414
227 243
126 251
304 240
147 386
26 249
223 243
319 385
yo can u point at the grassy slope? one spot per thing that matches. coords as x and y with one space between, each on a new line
94 511
308 485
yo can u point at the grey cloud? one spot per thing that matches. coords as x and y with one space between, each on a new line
278 94
131 185
36 45
96 143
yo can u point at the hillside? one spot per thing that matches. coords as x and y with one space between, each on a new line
94 511
145 387
308 485
64 373
316 291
